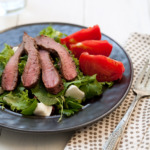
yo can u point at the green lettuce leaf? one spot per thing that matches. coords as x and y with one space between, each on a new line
22 64
6 53
52 33
2 95
18 100
4 57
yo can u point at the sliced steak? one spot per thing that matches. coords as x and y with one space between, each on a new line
31 72
10 74
50 76
68 68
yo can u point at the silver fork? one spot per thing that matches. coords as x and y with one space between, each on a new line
142 89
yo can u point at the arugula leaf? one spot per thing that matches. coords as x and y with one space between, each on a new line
72 103
43 96
68 112
29 110
92 89
60 106
89 85
71 106
67 106
52 33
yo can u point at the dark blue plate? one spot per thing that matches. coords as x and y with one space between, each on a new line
92 112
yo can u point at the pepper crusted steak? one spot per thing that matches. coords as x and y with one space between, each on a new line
68 68
50 76
10 74
31 72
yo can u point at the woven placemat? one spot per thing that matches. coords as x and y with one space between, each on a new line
137 132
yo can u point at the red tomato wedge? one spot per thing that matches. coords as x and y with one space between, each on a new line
91 33
106 68
94 47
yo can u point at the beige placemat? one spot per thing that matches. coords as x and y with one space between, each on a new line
137 133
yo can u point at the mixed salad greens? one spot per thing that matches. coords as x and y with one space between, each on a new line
25 101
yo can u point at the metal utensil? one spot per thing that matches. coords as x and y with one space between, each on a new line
141 89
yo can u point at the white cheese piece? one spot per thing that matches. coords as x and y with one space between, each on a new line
15 48
74 92
1 90
43 110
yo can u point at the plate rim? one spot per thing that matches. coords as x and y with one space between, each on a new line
88 122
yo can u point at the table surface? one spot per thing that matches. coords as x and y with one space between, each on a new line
116 18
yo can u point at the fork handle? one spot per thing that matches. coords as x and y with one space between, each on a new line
115 137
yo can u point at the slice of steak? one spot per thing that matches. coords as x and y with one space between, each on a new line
50 76
10 73
68 68
31 72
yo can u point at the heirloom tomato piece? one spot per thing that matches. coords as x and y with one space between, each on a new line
107 69
94 47
91 33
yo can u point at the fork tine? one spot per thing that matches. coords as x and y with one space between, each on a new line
141 75
146 78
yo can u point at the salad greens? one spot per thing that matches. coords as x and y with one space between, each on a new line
52 33
18 100
25 101
4 57
22 64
